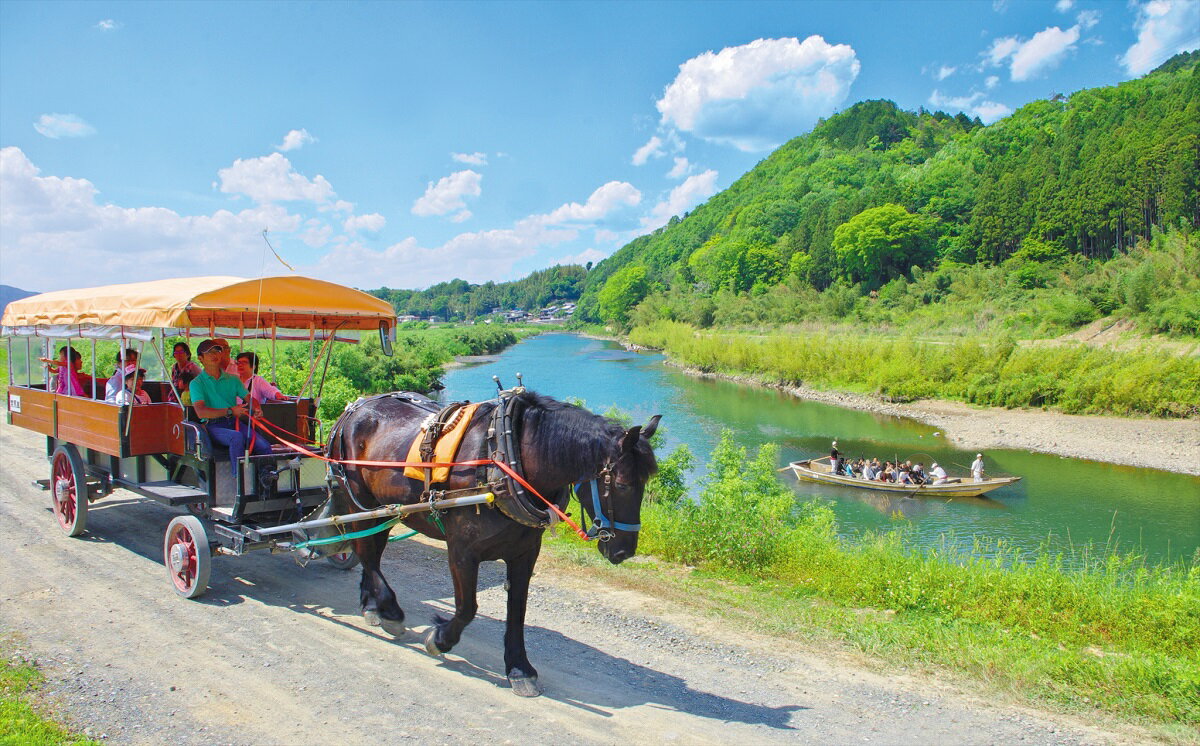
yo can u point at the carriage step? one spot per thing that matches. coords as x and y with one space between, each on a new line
42 484
172 493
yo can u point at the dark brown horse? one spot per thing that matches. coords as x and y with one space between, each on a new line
560 445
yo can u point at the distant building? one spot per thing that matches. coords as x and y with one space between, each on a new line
407 317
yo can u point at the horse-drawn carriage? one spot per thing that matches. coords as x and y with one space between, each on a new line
522 454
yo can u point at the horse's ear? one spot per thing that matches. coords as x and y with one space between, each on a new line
630 439
648 430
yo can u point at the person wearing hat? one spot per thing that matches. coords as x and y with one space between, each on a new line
131 391
835 460
977 467
938 473
215 395
127 360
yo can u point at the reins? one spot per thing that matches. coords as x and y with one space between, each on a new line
509 471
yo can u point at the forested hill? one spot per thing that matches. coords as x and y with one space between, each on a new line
875 191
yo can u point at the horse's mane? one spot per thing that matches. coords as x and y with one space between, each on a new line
578 439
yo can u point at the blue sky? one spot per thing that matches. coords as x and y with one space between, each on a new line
404 144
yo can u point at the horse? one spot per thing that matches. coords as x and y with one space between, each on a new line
560 445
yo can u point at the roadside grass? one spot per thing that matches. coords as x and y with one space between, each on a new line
19 722
1075 379
1106 633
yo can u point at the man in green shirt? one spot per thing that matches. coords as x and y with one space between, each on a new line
215 396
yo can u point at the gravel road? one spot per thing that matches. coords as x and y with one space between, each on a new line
277 653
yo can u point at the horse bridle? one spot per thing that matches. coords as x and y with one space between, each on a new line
602 526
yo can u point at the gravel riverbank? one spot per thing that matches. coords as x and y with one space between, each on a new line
1171 445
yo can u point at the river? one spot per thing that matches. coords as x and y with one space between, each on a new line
1063 504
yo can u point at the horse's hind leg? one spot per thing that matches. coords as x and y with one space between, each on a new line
522 676
464 569
379 606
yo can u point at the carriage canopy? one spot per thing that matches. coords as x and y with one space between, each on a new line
197 305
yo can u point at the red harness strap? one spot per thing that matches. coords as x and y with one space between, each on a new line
432 465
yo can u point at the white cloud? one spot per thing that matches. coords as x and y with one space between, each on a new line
316 234
652 149
604 200
1044 51
50 221
295 139
1001 49
372 222
270 178
1029 58
1087 19
1063 6
972 105
761 94
694 190
475 159
682 168
462 216
991 82
1165 28
55 126
109 24
447 194
944 72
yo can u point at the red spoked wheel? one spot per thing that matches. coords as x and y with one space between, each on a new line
343 560
68 489
187 555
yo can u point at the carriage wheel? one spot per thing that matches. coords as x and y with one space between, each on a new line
343 560
68 489
187 555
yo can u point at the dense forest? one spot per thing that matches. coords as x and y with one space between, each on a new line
458 299
876 199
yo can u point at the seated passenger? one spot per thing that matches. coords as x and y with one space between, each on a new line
905 477
215 396
125 359
132 392
183 371
71 380
260 390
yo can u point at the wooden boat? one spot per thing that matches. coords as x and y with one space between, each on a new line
813 470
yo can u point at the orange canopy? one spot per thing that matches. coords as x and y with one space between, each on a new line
205 302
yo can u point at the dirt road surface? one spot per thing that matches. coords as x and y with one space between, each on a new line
277 653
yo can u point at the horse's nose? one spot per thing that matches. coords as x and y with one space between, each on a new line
617 556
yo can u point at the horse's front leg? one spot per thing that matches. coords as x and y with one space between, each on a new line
379 605
464 569
522 676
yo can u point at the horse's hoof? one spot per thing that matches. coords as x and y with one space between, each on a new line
393 627
431 644
373 618
524 686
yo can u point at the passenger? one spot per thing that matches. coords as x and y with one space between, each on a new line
215 396
125 360
868 471
227 365
183 371
918 473
260 390
132 392
889 473
905 477
977 468
71 380
938 473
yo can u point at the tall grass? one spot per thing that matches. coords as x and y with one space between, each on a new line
1106 630
1075 379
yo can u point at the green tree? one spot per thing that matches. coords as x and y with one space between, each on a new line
623 290
882 242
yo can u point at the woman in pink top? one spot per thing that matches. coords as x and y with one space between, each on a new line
71 381
260 390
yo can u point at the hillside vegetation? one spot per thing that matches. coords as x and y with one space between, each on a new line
1070 209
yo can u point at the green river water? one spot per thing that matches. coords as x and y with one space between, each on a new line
1065 504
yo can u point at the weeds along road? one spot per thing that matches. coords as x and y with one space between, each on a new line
278 653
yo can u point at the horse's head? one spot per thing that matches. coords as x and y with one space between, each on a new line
616 506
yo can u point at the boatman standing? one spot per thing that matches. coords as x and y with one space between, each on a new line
834 459
977 467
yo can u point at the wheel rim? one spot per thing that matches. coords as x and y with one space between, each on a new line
340 557
182 558
65 491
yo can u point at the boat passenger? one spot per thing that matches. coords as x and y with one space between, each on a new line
977 468
905 477
260 390
183 371
918 473
868 471
889 473
215 396
125 359
938 473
